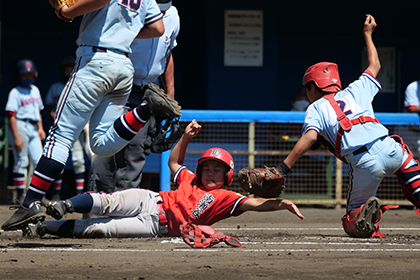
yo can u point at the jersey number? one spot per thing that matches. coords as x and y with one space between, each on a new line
132 4
342 105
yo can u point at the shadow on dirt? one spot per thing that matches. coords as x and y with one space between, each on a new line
43 245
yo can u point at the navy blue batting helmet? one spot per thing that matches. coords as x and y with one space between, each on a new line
26 66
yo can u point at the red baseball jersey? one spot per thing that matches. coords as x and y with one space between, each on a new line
197 204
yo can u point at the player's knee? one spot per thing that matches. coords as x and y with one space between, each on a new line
94 231
103 151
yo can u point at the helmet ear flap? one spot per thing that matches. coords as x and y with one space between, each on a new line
198 174
229 177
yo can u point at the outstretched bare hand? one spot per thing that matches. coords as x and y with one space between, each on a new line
287 204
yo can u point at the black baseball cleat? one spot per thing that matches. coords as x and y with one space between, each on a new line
369 215
23 216
57 209
34 230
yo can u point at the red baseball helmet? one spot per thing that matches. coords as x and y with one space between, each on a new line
324 75
220 155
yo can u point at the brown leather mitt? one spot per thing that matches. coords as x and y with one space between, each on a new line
265 182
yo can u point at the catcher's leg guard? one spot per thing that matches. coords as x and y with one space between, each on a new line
363 221
409 177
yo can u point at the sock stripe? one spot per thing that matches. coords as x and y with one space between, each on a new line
127 125
43 176
133 121
138 118
37 190
40 183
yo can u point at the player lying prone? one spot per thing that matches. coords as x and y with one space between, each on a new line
188 211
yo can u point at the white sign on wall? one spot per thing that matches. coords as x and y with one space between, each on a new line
243 38
387 75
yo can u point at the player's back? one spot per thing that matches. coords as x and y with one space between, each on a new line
355 101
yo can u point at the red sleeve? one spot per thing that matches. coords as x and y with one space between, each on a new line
369 72
11 113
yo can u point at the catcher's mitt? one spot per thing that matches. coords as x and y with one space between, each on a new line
58 4
160 103
265 182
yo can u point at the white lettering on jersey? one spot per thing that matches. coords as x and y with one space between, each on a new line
347 104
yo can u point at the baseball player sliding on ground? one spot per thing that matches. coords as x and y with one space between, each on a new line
97 91
343 120
199 200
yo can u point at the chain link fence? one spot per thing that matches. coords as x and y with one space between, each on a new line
266 138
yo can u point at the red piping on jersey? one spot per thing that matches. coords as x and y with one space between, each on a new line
345 123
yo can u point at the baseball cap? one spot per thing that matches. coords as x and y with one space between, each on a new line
68 60
164 4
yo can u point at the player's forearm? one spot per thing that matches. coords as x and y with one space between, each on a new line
13 127
82 7
414 110
261 205
178 153
301 147
168 77
373 58
155 29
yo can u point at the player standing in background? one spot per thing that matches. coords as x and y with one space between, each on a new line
412 105
97 91
412 97
200 200
26 132
153 63
77 155
344 120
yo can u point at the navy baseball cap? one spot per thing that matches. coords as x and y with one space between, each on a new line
164 4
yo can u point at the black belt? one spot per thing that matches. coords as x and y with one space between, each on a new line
98 49
364 149
103 50
29 121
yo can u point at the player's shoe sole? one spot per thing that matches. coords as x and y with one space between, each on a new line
23 216
370 213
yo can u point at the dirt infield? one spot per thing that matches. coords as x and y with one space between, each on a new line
276 245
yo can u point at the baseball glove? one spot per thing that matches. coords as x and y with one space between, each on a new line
160 103
58 4
265 182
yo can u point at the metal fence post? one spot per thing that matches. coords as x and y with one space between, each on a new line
165 173
338 183
251 144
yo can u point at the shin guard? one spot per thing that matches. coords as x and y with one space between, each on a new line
363 222
409 177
